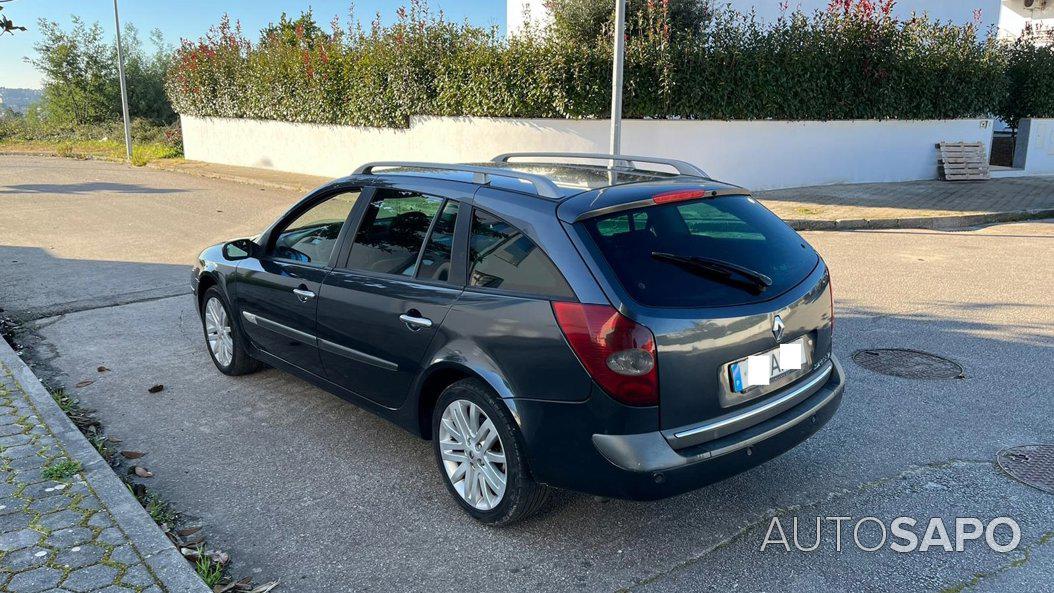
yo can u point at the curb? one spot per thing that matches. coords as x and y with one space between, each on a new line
160 165
953 222
168 565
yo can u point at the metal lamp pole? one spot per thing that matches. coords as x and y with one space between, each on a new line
616 78
124 91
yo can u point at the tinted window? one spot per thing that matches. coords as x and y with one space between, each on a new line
501 256
392 232
435 263
312 236
733 229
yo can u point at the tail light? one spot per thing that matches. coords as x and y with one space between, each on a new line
617 352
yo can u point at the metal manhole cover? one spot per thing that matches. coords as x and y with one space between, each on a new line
1031 464
907 364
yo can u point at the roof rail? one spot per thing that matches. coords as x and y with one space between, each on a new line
543 186
682 167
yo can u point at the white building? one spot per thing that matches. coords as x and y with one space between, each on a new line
1010 16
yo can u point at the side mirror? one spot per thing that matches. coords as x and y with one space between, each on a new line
240 249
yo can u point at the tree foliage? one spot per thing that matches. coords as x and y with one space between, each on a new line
854 61
81 85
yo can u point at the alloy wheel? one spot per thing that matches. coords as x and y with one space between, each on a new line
218 332
473 455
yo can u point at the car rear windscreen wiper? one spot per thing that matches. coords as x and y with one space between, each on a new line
716 267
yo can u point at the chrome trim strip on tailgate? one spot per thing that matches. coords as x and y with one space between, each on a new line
753 415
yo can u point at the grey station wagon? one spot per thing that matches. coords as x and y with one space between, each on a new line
616 325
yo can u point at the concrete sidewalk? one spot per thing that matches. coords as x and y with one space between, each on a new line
83 532
912 204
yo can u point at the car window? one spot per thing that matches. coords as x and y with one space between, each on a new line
733 229
312 236
435 263
501 256
392 232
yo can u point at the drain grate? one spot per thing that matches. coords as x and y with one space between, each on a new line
1031 464
908 364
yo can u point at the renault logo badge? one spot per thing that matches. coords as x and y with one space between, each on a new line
777 328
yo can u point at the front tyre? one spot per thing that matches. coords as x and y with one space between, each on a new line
480 456
225 344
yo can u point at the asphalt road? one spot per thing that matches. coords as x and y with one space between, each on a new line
299 485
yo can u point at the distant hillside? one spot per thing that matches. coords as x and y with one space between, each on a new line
18 99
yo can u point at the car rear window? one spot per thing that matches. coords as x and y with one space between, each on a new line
732 229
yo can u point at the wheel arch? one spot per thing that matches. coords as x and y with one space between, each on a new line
443 373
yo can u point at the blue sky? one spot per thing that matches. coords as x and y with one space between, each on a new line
191 18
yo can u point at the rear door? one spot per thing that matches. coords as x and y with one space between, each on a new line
380 308
277 294
704 318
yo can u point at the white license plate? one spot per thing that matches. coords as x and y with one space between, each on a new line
761 369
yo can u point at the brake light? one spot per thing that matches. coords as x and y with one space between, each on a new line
679 196
618 353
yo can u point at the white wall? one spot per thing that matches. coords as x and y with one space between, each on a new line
1014 17
755 154
1035 147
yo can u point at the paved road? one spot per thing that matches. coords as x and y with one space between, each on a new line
299 485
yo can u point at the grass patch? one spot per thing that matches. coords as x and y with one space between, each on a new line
160 511
66 403
109 150
209 570
61 470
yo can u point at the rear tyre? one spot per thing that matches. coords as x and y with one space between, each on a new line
224 342
481 456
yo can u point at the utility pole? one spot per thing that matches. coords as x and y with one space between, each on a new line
616 77
124 90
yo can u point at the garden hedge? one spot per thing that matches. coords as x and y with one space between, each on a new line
827 66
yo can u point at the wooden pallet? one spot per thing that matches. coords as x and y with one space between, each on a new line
963 161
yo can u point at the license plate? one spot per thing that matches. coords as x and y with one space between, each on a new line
761 369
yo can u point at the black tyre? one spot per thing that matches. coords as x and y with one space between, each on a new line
486 471
224 342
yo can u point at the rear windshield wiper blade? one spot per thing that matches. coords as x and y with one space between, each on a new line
720 268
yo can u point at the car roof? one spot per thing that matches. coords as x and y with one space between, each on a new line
569 179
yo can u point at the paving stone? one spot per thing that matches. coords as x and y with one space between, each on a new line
19 451
89 503
137 576
71 536
111 536
124 555
10 429
28 462
44 490
80 556
14 522
7 489
61 519
26 558
16 540
11 505
38 579
90 578
50 504
100 519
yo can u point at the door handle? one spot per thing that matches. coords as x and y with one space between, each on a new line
303 294
415 323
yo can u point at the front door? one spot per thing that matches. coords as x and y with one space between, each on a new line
378 313
277 294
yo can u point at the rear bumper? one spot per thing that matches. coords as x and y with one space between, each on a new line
646 466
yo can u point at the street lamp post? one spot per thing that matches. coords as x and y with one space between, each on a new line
616 76
124 91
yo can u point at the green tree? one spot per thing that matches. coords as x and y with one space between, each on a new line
81 83
584 21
